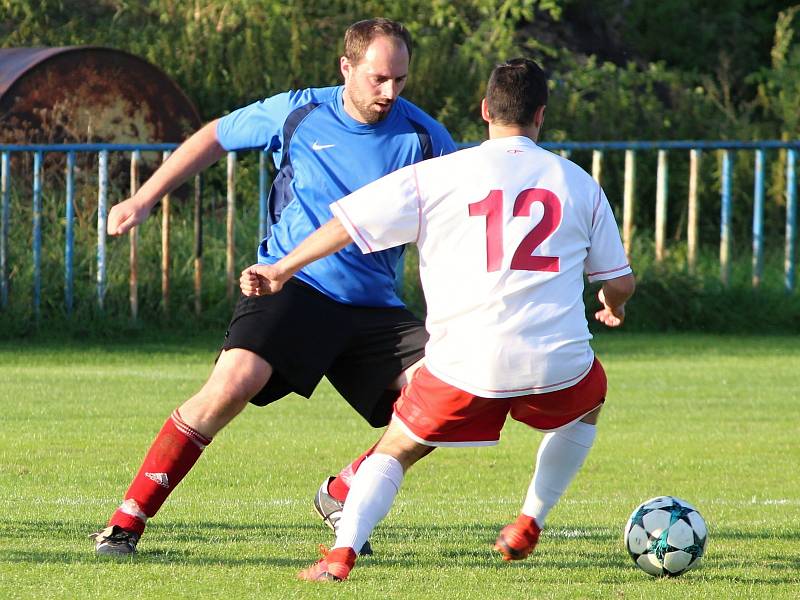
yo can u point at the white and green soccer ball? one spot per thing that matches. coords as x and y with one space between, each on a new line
666 536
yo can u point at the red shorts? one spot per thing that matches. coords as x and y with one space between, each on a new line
435 413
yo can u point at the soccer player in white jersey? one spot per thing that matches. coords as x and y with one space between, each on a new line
506 232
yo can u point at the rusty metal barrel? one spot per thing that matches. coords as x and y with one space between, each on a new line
89 94
85 97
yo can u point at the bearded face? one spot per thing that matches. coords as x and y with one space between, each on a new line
373 85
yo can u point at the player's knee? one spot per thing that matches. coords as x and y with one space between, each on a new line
409 456
237 378
208 413
219 400
226 395
407 451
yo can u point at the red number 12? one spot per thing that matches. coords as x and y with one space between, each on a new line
492 208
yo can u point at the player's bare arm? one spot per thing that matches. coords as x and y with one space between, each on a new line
263 280
613 296
195 154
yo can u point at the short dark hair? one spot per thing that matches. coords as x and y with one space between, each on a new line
359 36
516 89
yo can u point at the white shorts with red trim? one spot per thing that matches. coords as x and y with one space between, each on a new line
434 413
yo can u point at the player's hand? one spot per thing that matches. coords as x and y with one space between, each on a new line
124 216
609 316
261 280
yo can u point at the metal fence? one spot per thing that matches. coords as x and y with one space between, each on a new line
598 151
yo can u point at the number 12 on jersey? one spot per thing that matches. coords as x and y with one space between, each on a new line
491 207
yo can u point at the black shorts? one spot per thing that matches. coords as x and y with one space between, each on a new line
304 335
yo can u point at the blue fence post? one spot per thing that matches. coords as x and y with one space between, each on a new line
5 184
791 218
69 232
693 210
37 232
102 220
725 219
262 195
758 217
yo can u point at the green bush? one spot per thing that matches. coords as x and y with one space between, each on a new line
651 72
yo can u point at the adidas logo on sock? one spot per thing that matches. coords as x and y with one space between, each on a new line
160 478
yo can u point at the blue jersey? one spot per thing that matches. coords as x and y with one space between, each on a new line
322 154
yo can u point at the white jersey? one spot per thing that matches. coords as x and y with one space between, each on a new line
505 232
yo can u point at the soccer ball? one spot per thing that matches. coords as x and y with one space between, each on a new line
666 536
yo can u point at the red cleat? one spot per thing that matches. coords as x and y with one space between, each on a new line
335 565
517 541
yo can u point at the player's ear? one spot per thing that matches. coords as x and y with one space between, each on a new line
485 111
538 116
344 67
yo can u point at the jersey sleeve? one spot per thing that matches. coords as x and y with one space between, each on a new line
606 258
257 125
384 213
260 124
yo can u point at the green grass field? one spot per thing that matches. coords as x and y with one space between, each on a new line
714 420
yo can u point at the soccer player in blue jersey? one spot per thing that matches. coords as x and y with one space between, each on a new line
339 318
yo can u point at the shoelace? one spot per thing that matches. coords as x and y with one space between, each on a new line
120 535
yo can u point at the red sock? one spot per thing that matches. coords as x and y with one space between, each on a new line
173 453
340 486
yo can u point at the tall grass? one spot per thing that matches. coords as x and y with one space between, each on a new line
669 296
86 315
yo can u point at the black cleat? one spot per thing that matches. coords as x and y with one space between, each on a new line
114 541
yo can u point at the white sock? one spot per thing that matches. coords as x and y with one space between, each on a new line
371 495
560 456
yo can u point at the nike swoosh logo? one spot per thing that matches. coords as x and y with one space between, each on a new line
317 146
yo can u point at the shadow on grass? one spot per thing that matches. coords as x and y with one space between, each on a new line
174 542
148 557
232 544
